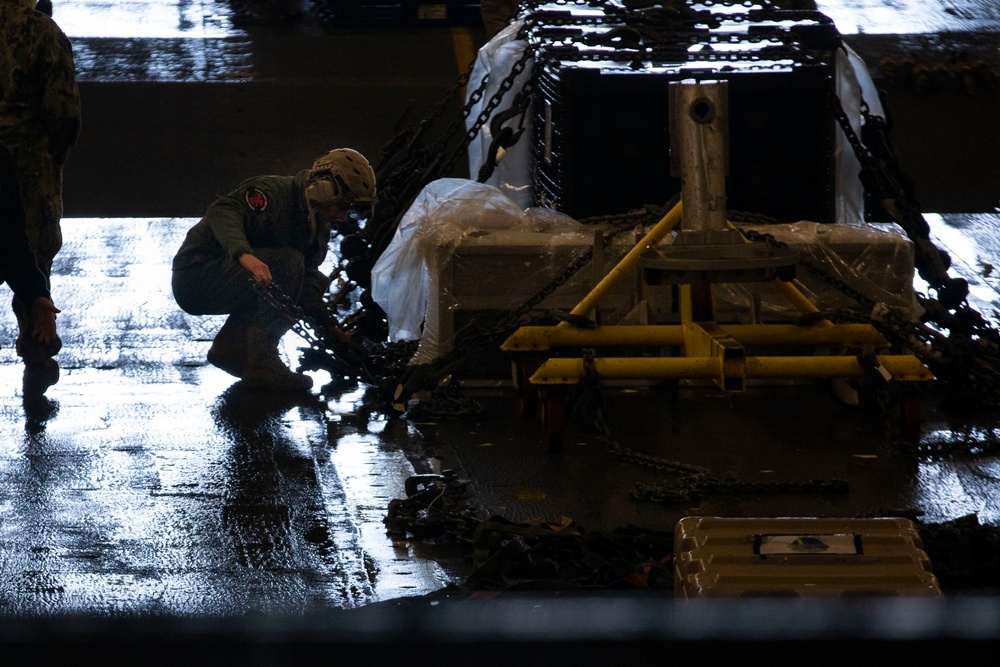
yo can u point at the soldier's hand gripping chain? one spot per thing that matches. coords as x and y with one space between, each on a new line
261 271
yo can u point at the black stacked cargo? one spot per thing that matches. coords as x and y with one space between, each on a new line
602 76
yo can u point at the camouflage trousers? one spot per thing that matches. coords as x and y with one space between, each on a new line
40 177
220 286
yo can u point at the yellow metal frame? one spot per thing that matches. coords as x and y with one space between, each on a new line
710 350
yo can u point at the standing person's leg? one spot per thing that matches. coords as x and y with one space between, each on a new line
40 177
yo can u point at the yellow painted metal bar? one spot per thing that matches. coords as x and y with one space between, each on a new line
569 371
900 367
535 338
799 300
793 294
701 339
628 262
903 368
848 335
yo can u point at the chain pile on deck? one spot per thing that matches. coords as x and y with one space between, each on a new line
563 555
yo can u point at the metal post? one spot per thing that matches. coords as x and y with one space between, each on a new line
699 122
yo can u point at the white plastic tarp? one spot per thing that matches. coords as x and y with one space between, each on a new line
496 58
445 212
513 173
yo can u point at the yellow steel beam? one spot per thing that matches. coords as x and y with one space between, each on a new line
712 351
708 339
701 339
898 367
902 368
569 371
629 261
792 293
799 300
848 335
536 339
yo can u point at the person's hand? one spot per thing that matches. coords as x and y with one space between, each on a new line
343 336
261 272
43 319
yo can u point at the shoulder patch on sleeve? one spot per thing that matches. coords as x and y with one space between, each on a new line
256 200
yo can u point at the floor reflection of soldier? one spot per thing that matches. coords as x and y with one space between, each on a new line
272 498
39 122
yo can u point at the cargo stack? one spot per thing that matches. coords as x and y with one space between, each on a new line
601 104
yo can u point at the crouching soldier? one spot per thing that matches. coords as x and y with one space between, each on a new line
269 229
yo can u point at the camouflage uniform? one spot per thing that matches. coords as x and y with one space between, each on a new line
266 217
263 214
270 230
39 122
17 263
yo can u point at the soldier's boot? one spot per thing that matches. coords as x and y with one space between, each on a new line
229 349
41 371
264 368
38 377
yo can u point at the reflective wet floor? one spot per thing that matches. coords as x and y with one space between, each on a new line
148 482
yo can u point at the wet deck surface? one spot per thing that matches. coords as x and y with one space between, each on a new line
150 482
146 482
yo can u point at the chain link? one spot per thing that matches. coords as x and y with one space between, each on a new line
325 349
407 167
467 347
690 482
969 367
435 507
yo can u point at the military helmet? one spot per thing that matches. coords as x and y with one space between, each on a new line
343 176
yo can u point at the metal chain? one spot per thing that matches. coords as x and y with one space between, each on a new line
323 349
436 112
619 223
471 100
969 367
487 112
691 482
413 172
883 178
468 347
435 507
427 164
407 167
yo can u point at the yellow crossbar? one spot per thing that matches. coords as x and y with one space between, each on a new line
629 261
540 338
903 368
